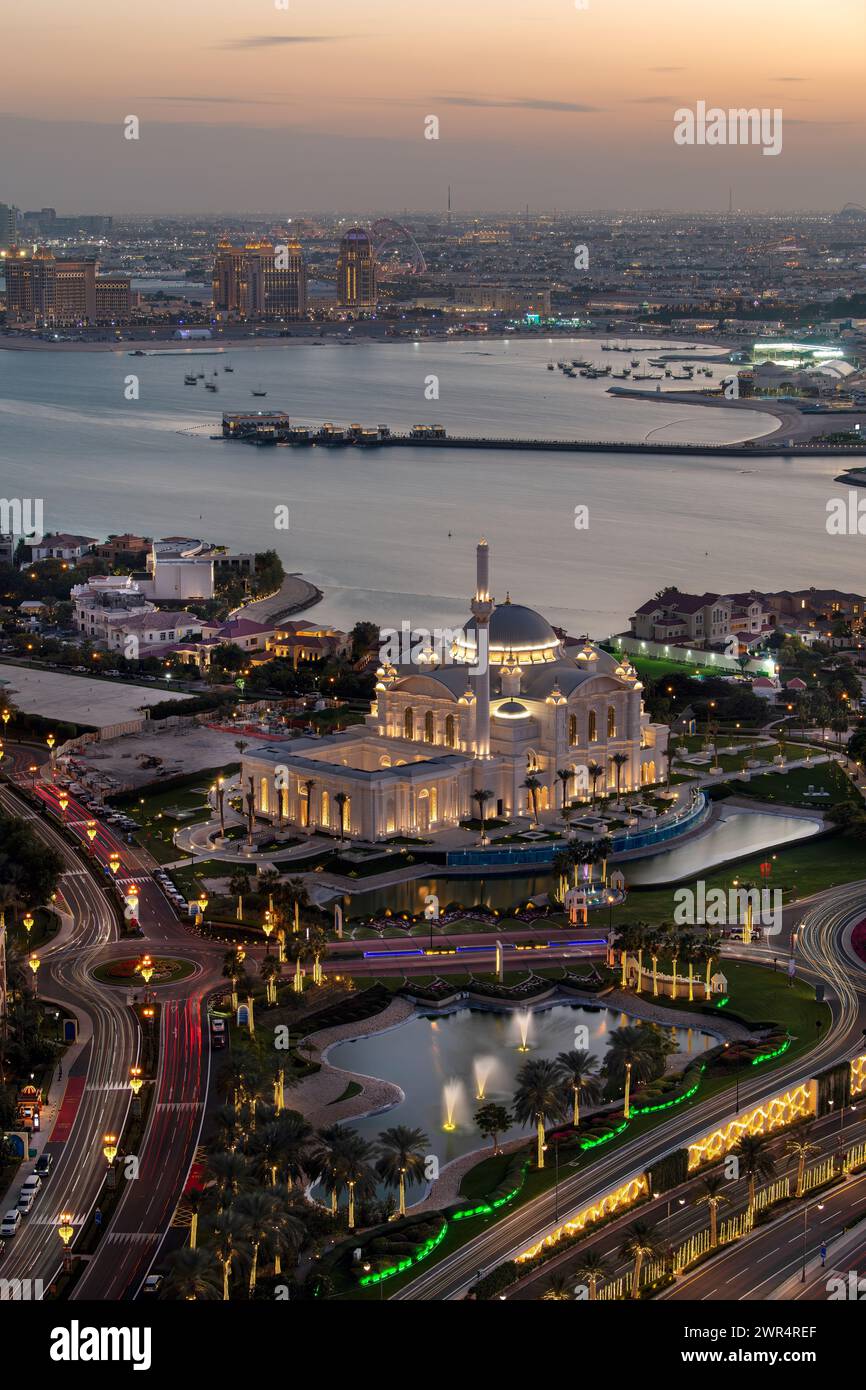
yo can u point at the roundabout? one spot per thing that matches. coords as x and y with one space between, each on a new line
156 971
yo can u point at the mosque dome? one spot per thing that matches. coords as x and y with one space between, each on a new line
516 632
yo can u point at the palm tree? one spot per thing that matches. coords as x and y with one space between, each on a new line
308 788
481 798
562 866
595 771
592 1269
192 1275
538 1098
340 799
712 1197
533 786
619 761
194 1202
578 1071
228 1235
239 886
558 1289
297 1138
230 1172
640 1242
800 1146
755 1161
342 1158
270 972
564 774
402 1157
632 1054
265 1227
357 1172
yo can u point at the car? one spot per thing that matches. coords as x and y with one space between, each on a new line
26 1199
152 1285
218 1033
32 1183
44 1164
10 1224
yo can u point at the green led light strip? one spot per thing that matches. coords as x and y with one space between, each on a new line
725 999
768 1056
667 1104
485 1208
594 1143
426 1249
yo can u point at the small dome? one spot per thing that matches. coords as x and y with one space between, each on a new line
511 709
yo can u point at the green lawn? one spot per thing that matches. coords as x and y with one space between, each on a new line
790 788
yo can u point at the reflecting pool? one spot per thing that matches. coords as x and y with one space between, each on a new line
443 1063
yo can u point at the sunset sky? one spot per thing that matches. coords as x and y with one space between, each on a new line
246 107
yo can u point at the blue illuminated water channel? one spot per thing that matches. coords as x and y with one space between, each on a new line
425 1054
738 834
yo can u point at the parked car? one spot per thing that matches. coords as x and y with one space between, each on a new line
32 1183
10 1224
44 1164
26 1199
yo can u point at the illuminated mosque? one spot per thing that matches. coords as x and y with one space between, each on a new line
450 724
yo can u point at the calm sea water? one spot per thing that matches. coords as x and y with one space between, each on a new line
372 529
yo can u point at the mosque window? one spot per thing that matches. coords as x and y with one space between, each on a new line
611 722
428 727
592 727
449 731
572 728
409 723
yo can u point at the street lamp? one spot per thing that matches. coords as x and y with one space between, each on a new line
34 963
50 740
63 802
66 1231
91 833
145 969
114 861
136 1080
28 921
109 1147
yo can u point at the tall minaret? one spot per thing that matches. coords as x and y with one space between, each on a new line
482 608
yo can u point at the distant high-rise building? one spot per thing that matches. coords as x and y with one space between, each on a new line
8 227
49 292
356 272
261 279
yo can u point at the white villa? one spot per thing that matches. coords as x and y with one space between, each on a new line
440 730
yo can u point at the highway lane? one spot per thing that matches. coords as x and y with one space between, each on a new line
147 1203
64 977
145 1209
767 1249
821 925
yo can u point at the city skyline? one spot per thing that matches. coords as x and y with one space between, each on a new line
578 103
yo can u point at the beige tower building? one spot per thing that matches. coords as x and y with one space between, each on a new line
356 272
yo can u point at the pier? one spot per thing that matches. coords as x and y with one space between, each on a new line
276 428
